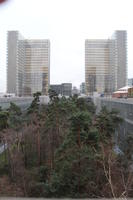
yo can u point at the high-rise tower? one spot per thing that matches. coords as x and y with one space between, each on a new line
121 57
28 66
106 63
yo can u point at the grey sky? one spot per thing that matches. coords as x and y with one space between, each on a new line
67 23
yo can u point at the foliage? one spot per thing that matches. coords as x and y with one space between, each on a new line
35 103
15 114
64 149
4 119
70 176
52 95
106 122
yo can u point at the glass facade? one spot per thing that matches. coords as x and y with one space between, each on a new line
105 64
32 65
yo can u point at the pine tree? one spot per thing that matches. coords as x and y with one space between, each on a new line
70 174
34 107
15 116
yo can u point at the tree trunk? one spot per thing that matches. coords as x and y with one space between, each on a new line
79 164
39 148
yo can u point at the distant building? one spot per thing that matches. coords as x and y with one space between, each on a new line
121 92
28 65
75 91
106 63
56 88
82 88
64 89
130 82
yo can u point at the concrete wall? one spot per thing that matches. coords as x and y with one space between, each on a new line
125 108
23 102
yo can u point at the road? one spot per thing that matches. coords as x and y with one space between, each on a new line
2 148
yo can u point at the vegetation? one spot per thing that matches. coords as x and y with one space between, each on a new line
63 149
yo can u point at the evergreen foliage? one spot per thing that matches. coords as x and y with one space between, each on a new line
35 103
15 114
3 119
63 149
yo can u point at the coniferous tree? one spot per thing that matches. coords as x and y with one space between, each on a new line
15 116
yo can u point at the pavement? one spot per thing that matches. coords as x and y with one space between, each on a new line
2 148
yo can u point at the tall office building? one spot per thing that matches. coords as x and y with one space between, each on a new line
120 38
106 63
28 65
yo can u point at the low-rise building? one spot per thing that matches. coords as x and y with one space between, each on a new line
56 88
121 93
75 91
64 89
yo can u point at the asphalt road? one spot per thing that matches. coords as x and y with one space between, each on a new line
2 148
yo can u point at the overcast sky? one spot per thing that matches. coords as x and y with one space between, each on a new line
67 23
